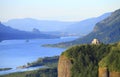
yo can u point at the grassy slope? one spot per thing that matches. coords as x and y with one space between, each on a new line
85 58
112 60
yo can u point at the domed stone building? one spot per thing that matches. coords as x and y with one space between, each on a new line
95 41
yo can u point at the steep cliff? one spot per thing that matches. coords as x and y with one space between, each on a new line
64 67
90 60
104 72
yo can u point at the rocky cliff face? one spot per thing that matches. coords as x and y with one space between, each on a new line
103 72
64 67
90 61
114 74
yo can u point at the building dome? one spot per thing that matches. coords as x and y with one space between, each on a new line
95 41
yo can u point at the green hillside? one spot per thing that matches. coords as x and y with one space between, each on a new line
46 61
112 60
85 58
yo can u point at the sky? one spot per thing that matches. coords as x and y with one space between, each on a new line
61 10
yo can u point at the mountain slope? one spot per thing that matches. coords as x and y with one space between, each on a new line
86 26
107 31
77 28
7 33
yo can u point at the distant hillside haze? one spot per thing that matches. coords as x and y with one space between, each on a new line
77 28
107 31
8 33
28 24
86 26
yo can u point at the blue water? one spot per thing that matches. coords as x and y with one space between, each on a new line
20 70
14 53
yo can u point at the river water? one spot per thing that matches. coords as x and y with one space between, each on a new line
14 53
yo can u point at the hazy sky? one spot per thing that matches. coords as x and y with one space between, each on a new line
63 10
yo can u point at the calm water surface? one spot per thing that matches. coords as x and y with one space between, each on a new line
14 53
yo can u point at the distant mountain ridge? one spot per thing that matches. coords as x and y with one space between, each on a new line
107 31
73 28
28 24
8 33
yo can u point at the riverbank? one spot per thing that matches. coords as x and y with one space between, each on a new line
44 72
4 69
46 61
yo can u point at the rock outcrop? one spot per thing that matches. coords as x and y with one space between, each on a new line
114 74
103 72
64 67
90 61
